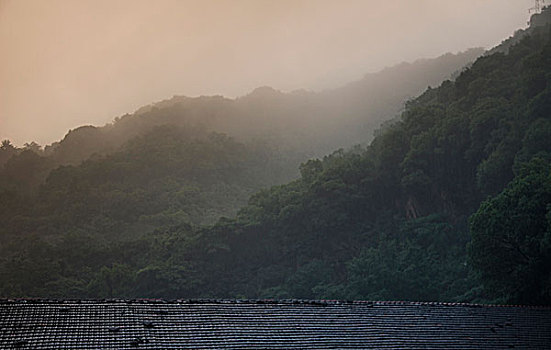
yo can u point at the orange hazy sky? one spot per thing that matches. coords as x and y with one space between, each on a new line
66 63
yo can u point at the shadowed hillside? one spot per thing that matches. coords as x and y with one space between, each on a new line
304 123
391 221
450 201
281 130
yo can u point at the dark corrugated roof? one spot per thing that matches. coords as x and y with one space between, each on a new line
214 324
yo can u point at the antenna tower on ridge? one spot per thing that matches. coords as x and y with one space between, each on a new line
537 7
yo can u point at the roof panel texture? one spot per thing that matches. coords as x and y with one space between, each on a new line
257 324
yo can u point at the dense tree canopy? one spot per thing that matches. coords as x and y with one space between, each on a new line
511 237
156 218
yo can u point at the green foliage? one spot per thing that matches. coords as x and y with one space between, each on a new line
84 221
158 216
425 261
362 224
511 237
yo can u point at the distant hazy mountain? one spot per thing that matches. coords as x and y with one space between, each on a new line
303 122
146 206
154 215
194 160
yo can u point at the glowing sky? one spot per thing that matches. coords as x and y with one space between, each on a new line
65 63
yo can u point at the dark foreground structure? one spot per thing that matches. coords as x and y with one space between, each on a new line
292 324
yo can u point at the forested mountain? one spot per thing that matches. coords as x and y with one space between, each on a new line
391 221
307 123
270 132
452 201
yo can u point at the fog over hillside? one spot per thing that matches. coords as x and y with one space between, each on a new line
300 124
449 201
71 63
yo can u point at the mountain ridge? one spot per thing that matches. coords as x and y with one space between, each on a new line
412 216
236 119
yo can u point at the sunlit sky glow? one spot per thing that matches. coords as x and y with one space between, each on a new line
66 63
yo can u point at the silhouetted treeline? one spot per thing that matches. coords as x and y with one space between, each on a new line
392 221
306 123
385 221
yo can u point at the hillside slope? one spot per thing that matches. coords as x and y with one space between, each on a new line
386 221
306 123
391 221
275 132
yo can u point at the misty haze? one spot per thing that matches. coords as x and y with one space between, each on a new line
286 152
